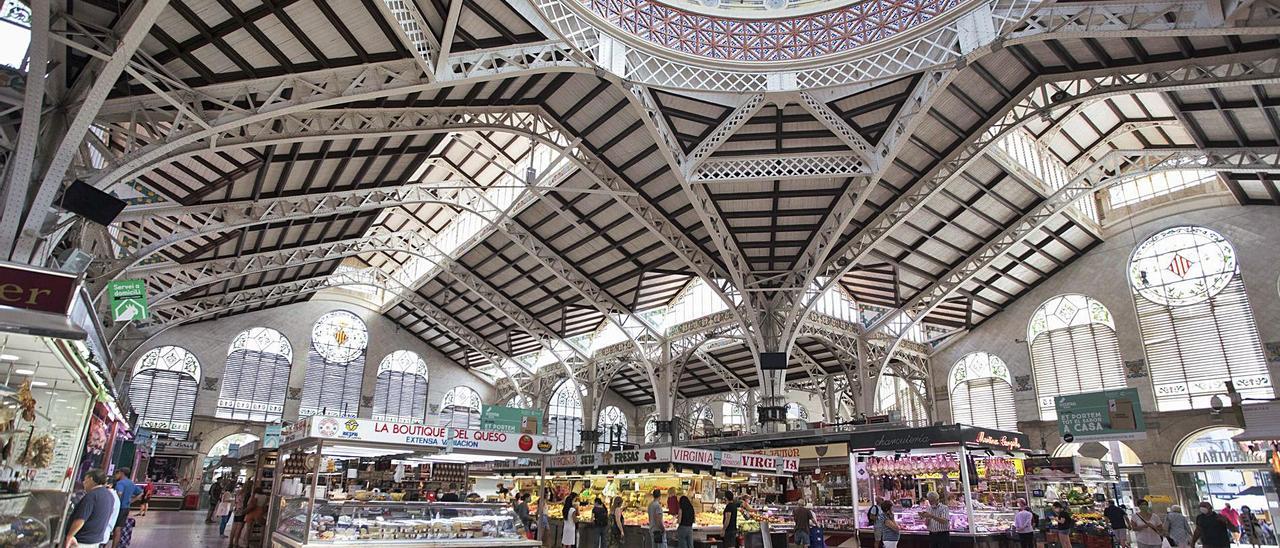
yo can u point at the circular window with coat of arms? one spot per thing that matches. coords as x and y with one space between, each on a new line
1182 265
340 336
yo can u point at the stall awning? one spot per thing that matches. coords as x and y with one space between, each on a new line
1261 422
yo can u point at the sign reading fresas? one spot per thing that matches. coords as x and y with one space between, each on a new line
511 419
37 289
1101 416
422 435
660 456
128 300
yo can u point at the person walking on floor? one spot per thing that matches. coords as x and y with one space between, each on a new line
147 491
730 520
1118 519
1177 528
655 510
887 528
253 515
1024 525
600 519
1148 526
93 517
803 518
224 510
873 515
569 537
1250 529
1212 529
128 492
1233 517
684 523
215 495
616 523
937 519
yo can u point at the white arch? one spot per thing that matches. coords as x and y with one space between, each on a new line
1074 349
404 361
169 358
982 392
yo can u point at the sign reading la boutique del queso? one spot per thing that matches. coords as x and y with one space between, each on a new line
336 428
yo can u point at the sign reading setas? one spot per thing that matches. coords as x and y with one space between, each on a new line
422 435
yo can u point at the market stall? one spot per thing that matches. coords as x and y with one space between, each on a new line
166 468
330 472
702 475
53 365
1083 483
981 467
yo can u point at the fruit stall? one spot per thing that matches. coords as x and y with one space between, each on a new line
983 469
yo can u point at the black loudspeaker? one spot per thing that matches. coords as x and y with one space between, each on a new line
93 204
773 361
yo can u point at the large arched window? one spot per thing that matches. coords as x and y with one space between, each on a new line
701 422
1073 350
564 416
163 390
335 365
982 392
461 407
1197 326
896 394
797 412
257 376
613 428
400 394
651 428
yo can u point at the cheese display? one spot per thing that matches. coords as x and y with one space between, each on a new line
435 524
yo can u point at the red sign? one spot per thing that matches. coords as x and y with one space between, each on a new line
36 289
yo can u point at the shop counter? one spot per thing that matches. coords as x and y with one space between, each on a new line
416 524
866 539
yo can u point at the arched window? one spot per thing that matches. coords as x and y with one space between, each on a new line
461 408
400 394
1073 350
257 376
1197 325
701 423
651 429
982 392
896 394
163 390
224 445
335 365
733 416
797 412
520 401
564 416
613 428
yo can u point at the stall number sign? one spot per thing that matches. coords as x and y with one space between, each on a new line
1099 416
128 300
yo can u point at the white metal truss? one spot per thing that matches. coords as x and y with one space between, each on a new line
725 129
1048 95
840 128
770 167
1115 167
414 31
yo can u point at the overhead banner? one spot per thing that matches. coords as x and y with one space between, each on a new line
271 438
511 419
422 435
128 300
807 451
1101 416
37 289
659 456
929 436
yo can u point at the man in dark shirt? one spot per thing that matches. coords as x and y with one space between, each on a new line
215 495
730 520
451 495
1211 528
1118 519
94 515
803 517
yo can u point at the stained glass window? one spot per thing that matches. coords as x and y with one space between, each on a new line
163 390
564 416
1073 350
1197 325
335 365
256 379
982 392
461 407
400 393
613 428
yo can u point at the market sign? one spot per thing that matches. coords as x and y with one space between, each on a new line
661 456
128 300
929 436
167 446
271 437
37 289
807 451
510 419
422 435
1101 416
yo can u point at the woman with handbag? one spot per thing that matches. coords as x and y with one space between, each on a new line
223 510
1148 527
1177 528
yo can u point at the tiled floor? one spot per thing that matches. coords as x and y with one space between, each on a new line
185 529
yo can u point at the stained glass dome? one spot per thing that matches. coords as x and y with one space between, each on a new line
1182 265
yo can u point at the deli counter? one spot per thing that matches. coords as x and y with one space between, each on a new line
369 523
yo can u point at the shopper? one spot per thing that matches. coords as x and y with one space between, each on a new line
254 514
127 492
1148 526
1232 516
147 490
225 509
886 527
656 529
1024 525
1061 525
1213 530
240 508
937 519
803 518
600 520
616 523
93 516
873 515
215 495
730 521
684 523
1250 529
1118 519
1177 528
570 535
521 508
451 495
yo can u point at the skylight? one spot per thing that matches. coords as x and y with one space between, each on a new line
1155 185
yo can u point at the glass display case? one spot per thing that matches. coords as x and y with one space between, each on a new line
351 523
985 519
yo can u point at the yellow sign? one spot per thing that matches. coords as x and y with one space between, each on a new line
1160 499
806 451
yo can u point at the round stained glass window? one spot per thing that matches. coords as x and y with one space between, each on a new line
1182 265
340 336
